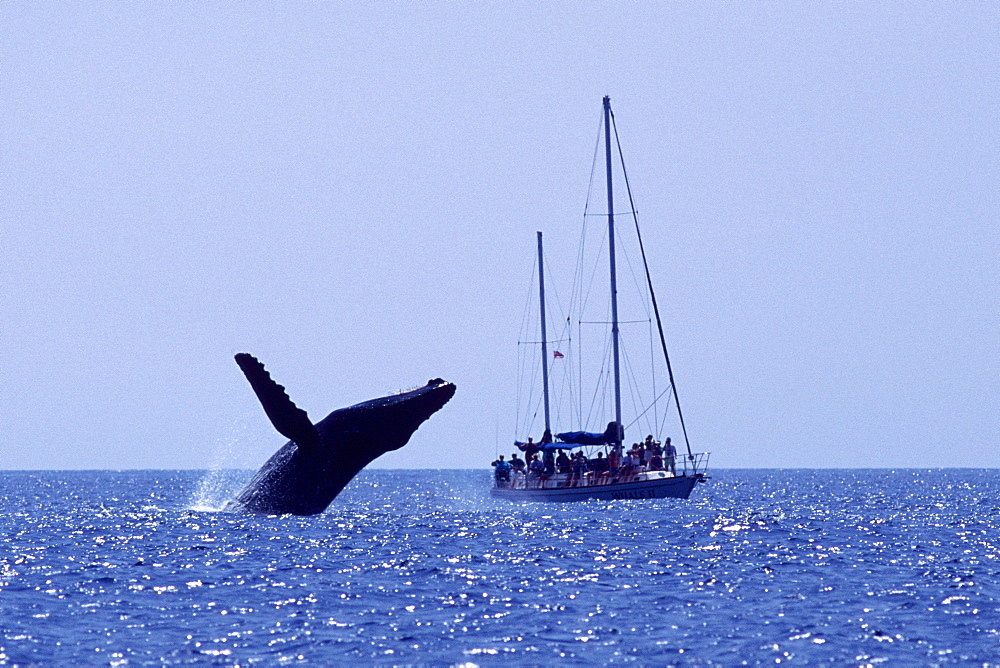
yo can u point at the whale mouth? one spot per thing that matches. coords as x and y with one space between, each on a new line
390 421
433 383
419 403
436 392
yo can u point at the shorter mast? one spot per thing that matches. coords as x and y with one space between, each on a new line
547 436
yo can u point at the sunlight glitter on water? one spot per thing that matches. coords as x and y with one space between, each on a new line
118 567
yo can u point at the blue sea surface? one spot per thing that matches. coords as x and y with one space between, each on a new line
783 566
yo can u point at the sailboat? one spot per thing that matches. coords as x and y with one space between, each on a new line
616 474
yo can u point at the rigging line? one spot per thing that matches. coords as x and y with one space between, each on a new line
531 363
579 374
608 322
635 280
525 397
649 281
635 390
565 390
581 287
581 290
525 314
531 410
576 293
653 377
565 368
666 411
604 215
585 291
627 258
593 166
564 336
525 343
601 387
522 360
554 290
632 383
660 396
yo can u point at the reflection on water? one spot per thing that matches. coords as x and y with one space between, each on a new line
423 566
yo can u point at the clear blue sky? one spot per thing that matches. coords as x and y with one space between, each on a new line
350 191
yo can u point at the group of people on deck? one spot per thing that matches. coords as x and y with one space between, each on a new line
618 466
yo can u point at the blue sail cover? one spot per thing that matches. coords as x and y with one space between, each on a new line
557 446
545 446
591 438
582 438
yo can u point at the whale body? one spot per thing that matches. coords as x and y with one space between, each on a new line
304 476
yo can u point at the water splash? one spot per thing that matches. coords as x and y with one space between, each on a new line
216 488
234 459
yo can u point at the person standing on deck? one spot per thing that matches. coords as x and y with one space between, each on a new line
669 454
529 448
613 461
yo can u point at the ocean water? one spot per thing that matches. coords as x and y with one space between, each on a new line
851 567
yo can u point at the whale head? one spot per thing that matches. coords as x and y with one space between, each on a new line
381 425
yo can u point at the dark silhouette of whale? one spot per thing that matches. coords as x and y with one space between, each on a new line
304 476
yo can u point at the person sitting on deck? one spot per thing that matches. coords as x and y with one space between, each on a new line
656 463
613 461
501 471
600 468
579 466
548 463
566 463
626 467
562 462
535 469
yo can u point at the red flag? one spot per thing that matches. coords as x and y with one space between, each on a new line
557 355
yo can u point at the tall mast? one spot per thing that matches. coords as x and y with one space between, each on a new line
614 280
545 349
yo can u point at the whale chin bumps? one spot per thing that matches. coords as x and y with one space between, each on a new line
308 472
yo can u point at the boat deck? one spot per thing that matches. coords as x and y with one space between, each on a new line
591 485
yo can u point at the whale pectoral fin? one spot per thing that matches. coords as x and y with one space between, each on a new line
291 421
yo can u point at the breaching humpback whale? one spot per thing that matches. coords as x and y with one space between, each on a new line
304 476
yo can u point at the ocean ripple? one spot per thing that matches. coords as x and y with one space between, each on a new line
800 566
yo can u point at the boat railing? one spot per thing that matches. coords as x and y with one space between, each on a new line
686 465
693 463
